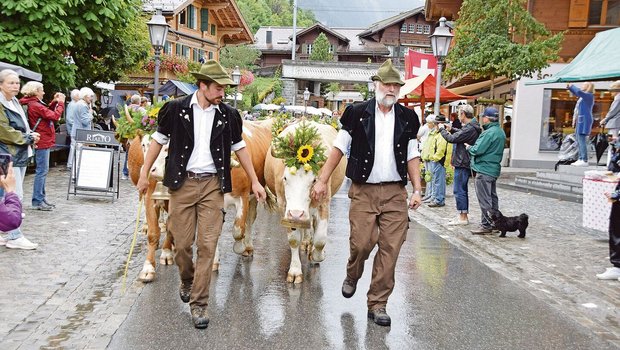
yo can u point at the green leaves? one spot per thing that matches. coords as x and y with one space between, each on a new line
500 38
320 49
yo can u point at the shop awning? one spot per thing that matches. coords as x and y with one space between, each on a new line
599 60
23 72
423 88
475 88
177 88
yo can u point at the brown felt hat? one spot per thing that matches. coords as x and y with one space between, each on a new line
387 74
213 71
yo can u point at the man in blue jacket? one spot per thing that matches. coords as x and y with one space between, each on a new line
486 158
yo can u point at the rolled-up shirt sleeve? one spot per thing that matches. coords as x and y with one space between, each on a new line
237 146
343 141
160 138
412 149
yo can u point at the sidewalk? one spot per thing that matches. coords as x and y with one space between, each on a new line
557 261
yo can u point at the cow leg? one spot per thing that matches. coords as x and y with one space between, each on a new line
249 222
239 230
319 240
306 241
152 218
166 257
294 272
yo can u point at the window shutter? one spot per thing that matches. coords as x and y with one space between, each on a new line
204 20
177 50
191 16
212 29
578 16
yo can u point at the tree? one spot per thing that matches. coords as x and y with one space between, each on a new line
500 38
72 42
334 88
258 13
243 56
320 49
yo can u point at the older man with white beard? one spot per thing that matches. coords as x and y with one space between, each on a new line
381 135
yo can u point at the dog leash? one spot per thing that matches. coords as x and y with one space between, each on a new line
133 243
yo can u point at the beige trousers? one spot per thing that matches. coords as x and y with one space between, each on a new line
196 216
377 216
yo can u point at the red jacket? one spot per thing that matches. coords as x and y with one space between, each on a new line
48 114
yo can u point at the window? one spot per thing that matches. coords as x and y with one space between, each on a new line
427 29
185 51
412 28
210 55
183 17
331 49
213 29
191 17
557 116
403 29
195 55
419 28
178 50
604 12
168 48
204 20
309 49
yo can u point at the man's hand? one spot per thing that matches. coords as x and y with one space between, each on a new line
259 192
36 136
7 182
415 201
143 184
319 190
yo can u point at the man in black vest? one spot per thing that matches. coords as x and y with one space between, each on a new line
201 132
381 136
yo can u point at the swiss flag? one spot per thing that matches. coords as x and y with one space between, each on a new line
419 64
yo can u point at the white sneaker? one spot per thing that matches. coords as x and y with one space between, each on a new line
2 241
580 163
21 243
458 222
611 273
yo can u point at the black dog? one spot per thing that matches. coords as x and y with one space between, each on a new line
509 224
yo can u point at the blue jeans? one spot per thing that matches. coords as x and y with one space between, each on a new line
461 178
429 185
439 182
42 159
20 173
125 168
582 142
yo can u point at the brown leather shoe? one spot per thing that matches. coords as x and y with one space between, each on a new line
348 287
199 316
185 291
380 317
481 231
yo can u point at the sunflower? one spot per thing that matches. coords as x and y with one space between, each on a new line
305 153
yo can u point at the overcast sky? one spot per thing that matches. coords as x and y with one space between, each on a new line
356 13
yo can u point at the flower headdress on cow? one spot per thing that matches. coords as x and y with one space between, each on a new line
300 149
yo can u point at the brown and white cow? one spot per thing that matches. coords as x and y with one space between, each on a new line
257 136
153 208
296 204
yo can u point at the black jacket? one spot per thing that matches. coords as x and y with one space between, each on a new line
467 135
359 121
176 120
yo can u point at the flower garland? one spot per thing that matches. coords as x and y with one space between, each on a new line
300 149
137 122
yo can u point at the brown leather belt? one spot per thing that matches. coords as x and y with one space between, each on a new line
199 176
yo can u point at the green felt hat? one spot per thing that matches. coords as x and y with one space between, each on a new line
387 74
213 71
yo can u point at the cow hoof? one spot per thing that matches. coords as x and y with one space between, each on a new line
248 252
290 278
145 229
303 246
166 257
215 267
146 277
318 255
162 226
239 247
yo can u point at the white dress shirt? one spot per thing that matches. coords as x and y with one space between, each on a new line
384 167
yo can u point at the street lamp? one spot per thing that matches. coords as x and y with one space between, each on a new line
158 31
371 88
236 77
440 41
306 98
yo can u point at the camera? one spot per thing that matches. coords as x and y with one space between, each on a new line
5 159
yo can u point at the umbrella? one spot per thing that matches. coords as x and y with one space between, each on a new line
600 145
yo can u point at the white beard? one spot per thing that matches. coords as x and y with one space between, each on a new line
384 100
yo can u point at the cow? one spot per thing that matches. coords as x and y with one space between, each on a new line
153 208
257 137
295 205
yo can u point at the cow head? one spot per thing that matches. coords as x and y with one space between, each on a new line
297 184
157 170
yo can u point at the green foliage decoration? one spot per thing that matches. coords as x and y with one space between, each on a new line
140 124
300 149
320 49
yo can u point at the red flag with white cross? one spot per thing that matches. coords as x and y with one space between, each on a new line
419 64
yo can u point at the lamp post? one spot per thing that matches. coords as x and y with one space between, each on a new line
440 41
158 31
236 77
371 89
306 98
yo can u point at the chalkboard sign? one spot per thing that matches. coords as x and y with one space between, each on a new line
94 168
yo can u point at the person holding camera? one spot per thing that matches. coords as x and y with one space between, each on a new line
15 139
41 119
10 205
